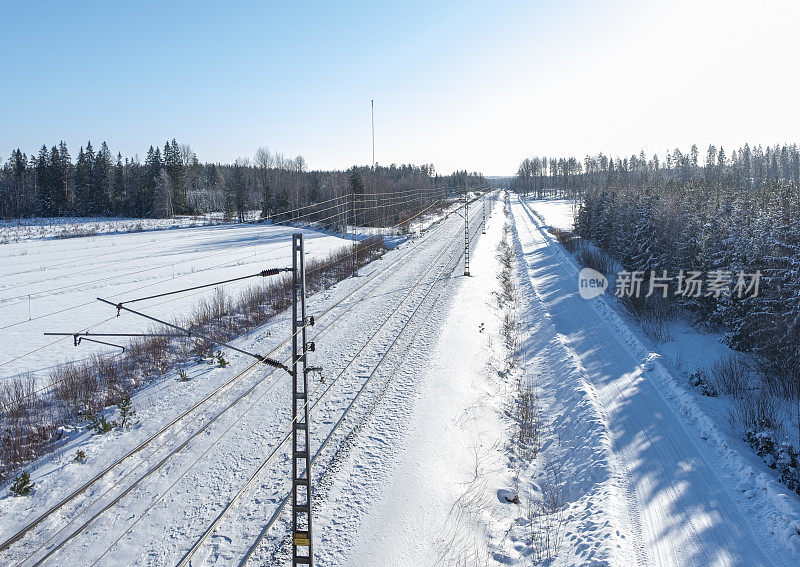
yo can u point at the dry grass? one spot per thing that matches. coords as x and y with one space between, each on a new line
26 424
731 376
566 238
529 419
591 257
546 515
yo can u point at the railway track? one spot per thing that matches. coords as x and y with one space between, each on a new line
383 351
167 439
424 308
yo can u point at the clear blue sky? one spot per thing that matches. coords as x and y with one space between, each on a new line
474 85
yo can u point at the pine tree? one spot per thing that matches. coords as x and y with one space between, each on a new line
101 176
644 248
91 195
173 163
120 203
83 184
47 207
151 174
238 184
57 184
357 194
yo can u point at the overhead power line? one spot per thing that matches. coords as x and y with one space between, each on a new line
261 274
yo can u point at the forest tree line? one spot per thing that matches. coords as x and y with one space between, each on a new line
172 181
737 212
745 167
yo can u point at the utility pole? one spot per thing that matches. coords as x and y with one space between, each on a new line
355 243
483 204
372 108
301 454
466 233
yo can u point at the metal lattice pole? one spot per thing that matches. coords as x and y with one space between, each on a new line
483 204
355 244
466 233
301 453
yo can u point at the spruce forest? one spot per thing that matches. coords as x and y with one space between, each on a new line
732 213
172 181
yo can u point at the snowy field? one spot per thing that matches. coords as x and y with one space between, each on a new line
414 433
52 284
372 336
558 213
24 230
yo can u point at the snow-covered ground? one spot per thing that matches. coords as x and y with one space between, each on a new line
24 230
438 498
199 464
558 213
690 495
52 285
412 419
687 349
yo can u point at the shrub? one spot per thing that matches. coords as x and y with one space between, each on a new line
220 356
757 413
75 387
126 412
699 379
731 376
100 425
591 257
22 485
80 457
787 465
183 376
203 349
27 424
782 457
566 238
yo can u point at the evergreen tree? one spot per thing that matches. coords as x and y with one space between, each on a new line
151 175
314 188
101 176
120 200
173 163
57 184
47 206
83 184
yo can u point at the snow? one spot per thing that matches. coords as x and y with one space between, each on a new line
419 470
438 498
558 213
25 230
159 519
683 478
52 285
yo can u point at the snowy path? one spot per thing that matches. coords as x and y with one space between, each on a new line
440 476
682 503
